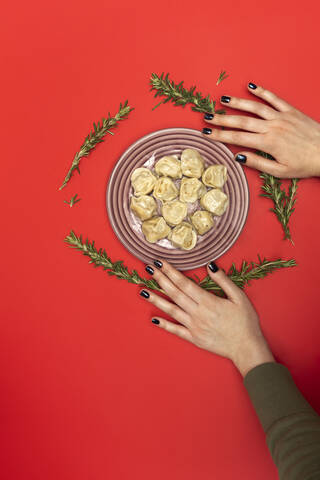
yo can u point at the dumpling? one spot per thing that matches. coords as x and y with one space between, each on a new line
143 207
168 167
202 221
174 212
215 176
183 236
143 181
192 164
155 229
191 189
165 189
215 201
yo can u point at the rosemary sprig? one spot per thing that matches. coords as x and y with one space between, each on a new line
73 200
99 258
178 95
283 203
223 75
96 136
248 270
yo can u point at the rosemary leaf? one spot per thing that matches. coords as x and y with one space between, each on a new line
96 136
73 200
180 96
248 270
283 202
223 75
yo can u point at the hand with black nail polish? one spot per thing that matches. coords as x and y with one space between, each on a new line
284 132
225 326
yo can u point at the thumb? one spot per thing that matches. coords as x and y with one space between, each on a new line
263 164
234 293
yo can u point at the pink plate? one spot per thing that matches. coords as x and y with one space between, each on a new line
148 150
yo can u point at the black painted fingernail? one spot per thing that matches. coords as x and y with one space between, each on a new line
213 267
149 270
225 99
251 85
207 131
157 263
144 294
208 116
155 321
241 158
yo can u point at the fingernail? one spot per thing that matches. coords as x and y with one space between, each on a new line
157 263
155 321
149 270
207 131
208 116
213 267
241 158
144 294
225 99
251 85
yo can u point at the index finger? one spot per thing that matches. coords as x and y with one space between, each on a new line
182 282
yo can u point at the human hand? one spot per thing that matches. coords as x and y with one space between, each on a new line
284 132
226 326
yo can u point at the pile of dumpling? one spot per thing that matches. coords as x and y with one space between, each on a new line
176 184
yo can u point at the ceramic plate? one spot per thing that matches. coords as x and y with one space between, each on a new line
145 152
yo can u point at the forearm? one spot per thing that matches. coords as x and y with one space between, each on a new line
291 425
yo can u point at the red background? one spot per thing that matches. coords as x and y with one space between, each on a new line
90 389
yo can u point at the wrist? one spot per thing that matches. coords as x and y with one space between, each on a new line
252 355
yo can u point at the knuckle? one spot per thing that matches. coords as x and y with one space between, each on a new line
172 310
159 277
264 93
164 325
269 96
235 102
197 342
197 339
245 123
236 136
274 123
216 119
180 281
216 133
187 319
262 90
265 142
286 117
279 124
177 296
175 330
155 299
165 266
157 274
259 109
183 318
251 106
261 139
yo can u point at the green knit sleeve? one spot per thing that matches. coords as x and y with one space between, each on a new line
292 427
